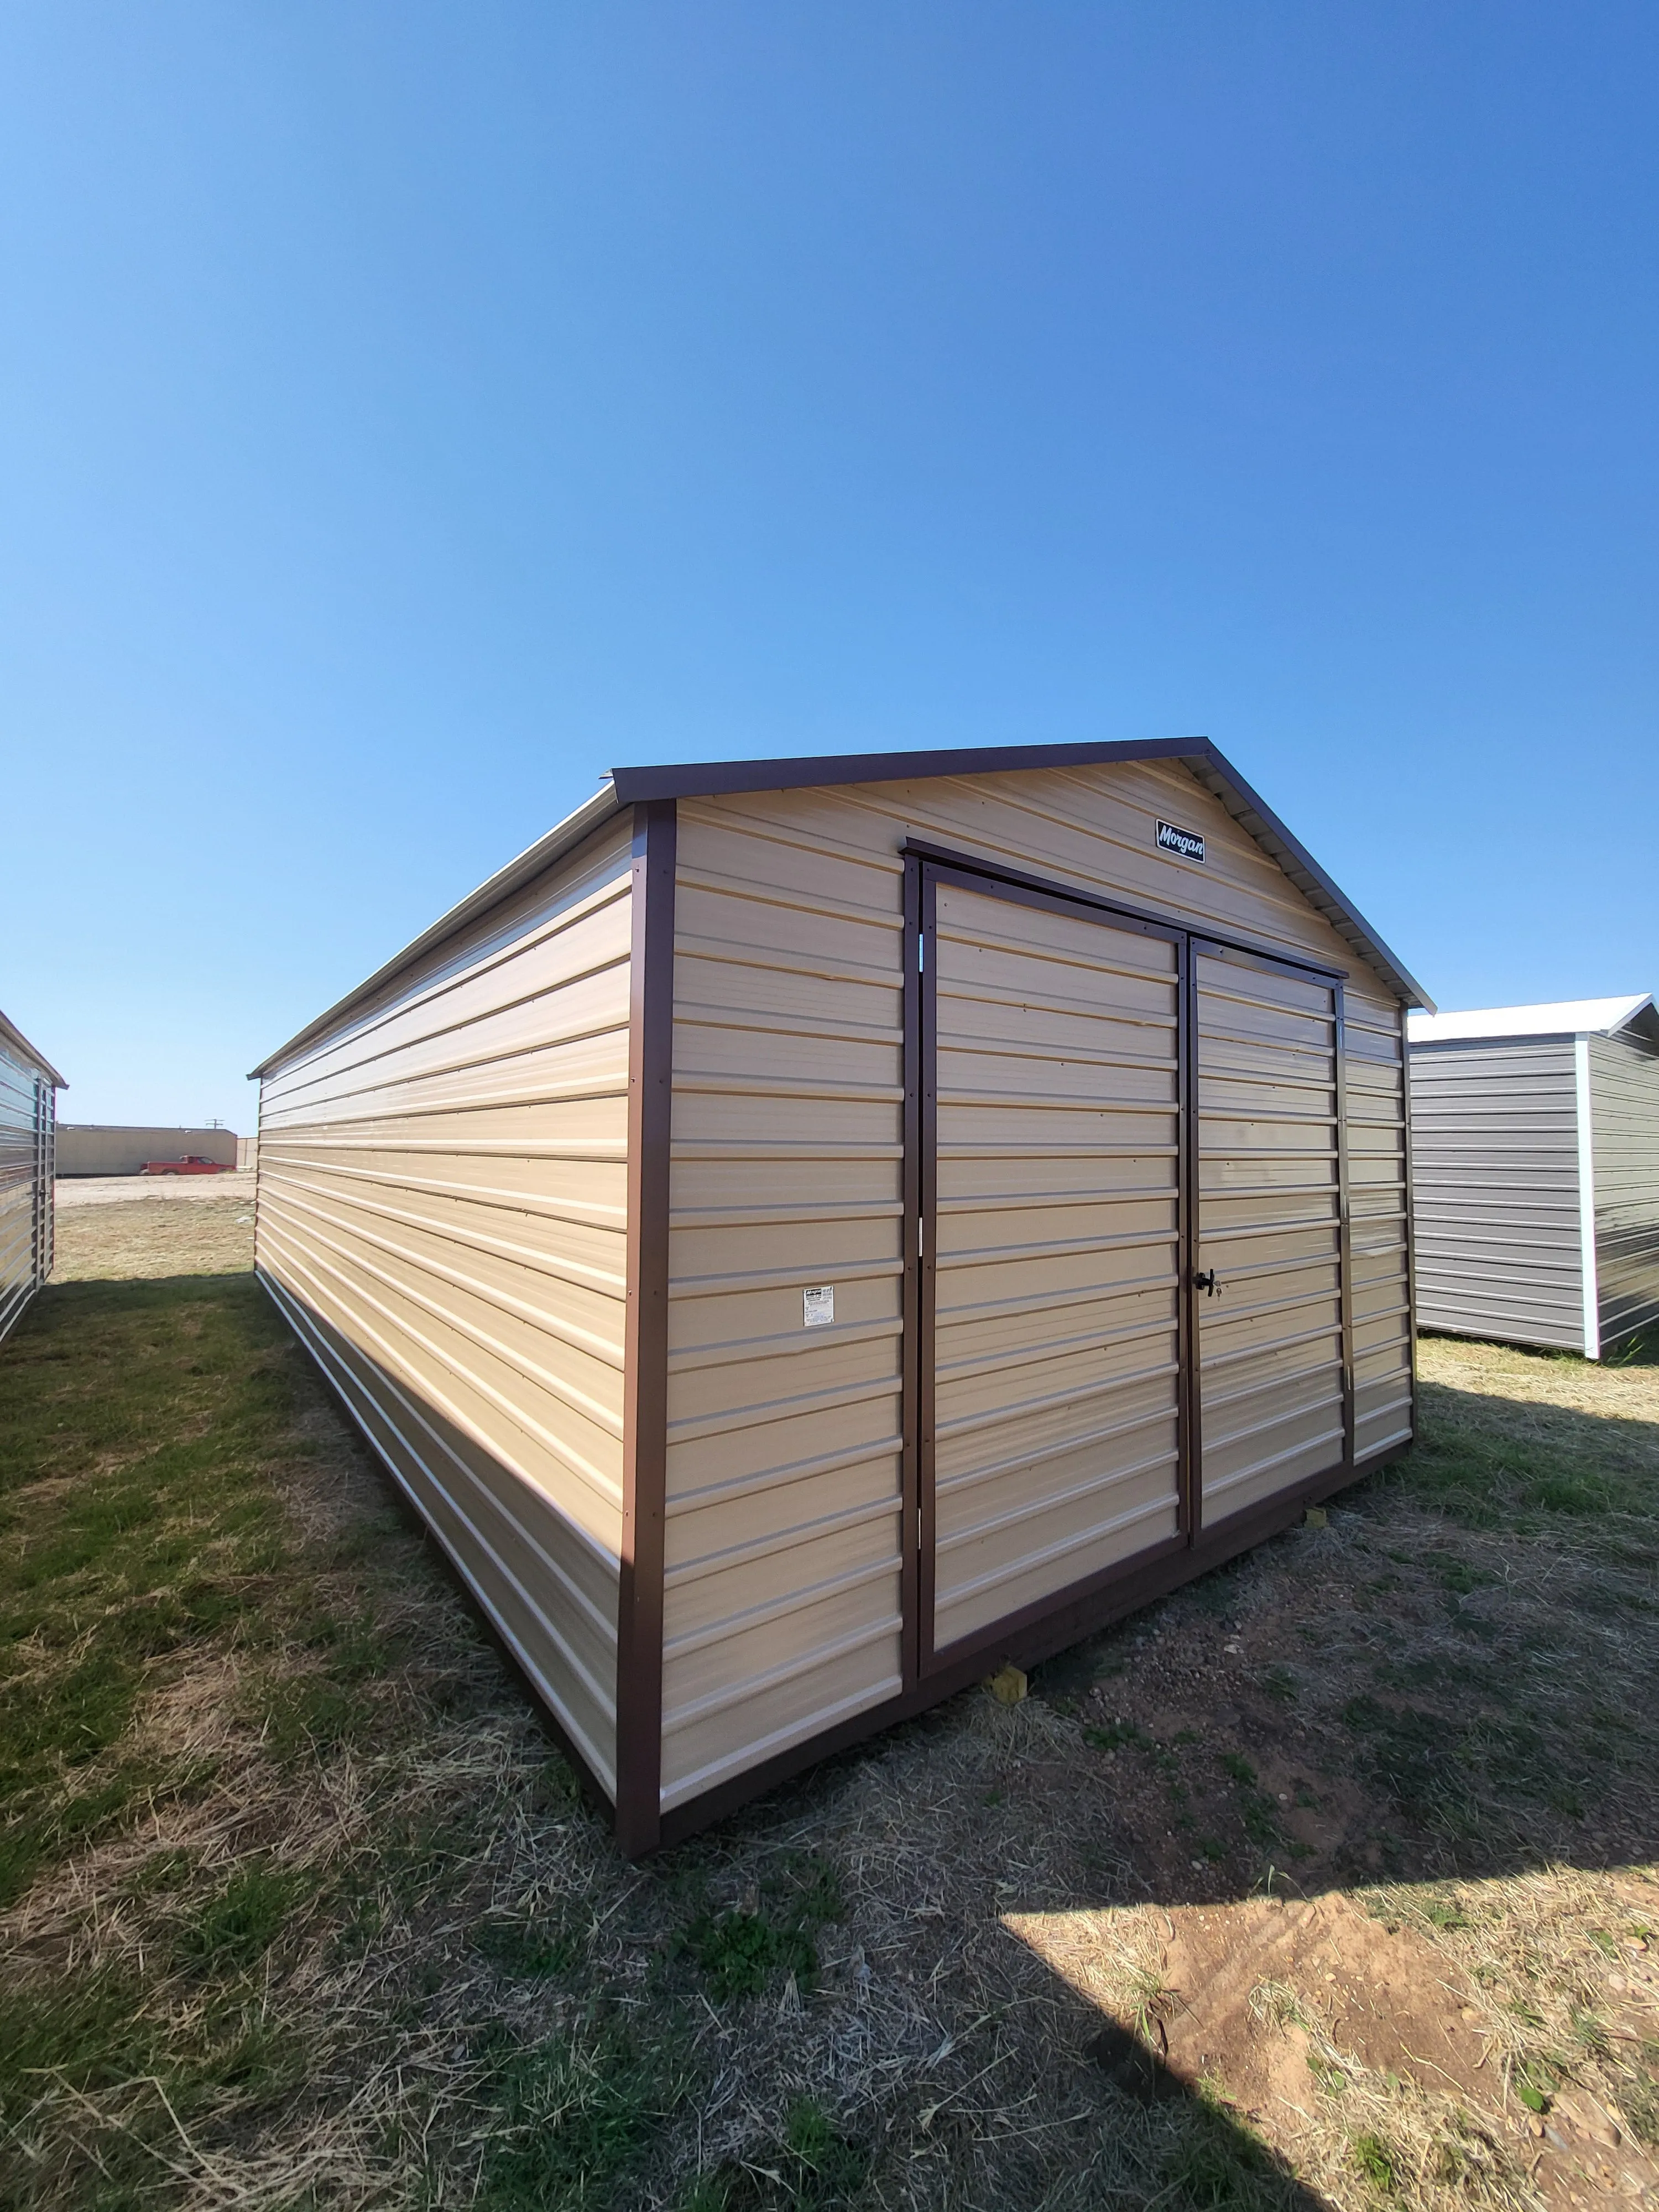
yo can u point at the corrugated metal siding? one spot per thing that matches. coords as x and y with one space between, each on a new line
443 1214
1270 1342
1495 1169
782 1607
781 1604
1624 1138
26 1102
1375 1068
1056 1337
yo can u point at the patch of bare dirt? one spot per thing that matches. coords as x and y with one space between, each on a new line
1381 1993
1320 2024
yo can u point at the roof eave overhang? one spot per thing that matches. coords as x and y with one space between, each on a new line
11 1035
1643 1017
592 815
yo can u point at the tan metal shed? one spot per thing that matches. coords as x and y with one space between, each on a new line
28 1104
810 1230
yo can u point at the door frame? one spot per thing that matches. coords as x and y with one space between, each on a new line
1212 947
926 866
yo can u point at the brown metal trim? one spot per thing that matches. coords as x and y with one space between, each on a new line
1210 947
1344 1230
1210 770
1189 1203
725 779
645 1403
1122 913
911 1235
987 1647
927 1228
1237 954
1070 1618
1016 890
1022 890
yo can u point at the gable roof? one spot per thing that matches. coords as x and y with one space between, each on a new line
1560 1017
13 1037
1202 760
630 787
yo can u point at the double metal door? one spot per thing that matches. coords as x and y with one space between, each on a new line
1130 1292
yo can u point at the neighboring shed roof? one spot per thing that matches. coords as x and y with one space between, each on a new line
14 1038
628 786
1573 1017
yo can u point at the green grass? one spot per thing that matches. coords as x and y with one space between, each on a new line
1375 2162
739 1954
148 1440
1471 1467
570 2114
135 1524
329 1885
533 1945
1118 1735
812 2168
1217 2165
232 1930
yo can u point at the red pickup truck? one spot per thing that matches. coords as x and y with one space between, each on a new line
192 1164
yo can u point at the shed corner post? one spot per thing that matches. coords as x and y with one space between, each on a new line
1408 1199
644 1369
45 1170
258 1168
1585 1119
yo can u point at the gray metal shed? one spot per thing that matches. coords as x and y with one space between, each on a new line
1535 1160
810 1231
28 1088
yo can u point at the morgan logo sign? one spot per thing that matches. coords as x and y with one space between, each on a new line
1187 843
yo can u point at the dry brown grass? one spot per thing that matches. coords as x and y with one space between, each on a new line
353 1940
141 1239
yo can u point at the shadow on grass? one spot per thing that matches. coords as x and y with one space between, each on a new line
1458 1664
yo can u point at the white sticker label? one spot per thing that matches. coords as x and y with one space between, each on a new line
819 1306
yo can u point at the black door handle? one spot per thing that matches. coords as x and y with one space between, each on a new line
1209 1283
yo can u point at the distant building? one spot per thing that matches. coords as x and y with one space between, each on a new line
28 1107
99 1148
1535 1158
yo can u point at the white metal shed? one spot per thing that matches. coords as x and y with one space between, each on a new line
1536 1163
28 1085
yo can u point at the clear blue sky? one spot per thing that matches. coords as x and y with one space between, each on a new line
407 411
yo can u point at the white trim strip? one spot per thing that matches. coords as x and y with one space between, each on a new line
1587 1198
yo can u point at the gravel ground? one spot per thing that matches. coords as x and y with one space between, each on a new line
72 1192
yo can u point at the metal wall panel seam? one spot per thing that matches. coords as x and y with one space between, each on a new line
915 1199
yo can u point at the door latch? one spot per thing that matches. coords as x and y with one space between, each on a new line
1207 1281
